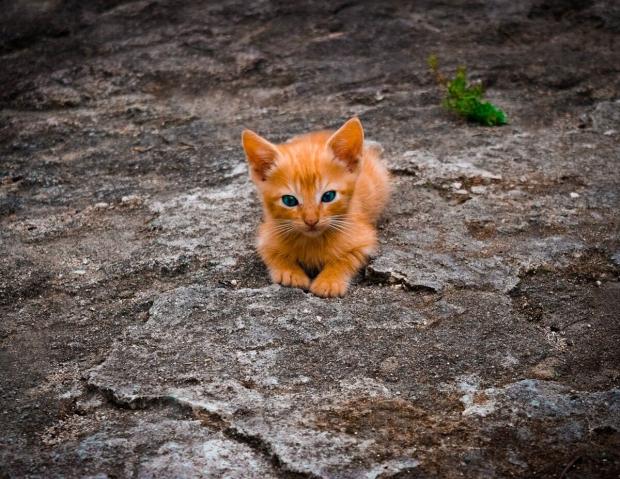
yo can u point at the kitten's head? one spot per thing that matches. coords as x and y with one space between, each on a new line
307 183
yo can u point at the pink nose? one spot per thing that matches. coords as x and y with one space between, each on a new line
311 222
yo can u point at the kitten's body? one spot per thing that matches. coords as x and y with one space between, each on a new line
333 238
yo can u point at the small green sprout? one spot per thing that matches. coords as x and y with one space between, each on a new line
466 99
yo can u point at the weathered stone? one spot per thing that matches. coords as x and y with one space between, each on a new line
156 447
250 355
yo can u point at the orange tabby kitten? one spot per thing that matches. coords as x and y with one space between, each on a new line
322 193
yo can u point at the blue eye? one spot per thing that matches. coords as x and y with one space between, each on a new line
328 196
290 201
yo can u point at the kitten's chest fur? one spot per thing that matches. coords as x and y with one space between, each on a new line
312 253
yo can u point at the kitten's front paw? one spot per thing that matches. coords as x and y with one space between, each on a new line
286 277
328 288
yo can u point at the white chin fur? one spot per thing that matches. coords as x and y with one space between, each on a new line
313 233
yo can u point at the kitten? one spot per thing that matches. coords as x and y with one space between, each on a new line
322 193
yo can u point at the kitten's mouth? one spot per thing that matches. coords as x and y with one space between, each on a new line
313 231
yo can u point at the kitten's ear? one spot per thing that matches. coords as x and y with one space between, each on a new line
261 154
347 143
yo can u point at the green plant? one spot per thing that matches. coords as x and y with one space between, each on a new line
466 99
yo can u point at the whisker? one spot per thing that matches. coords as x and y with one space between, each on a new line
282 227
341 230
341 225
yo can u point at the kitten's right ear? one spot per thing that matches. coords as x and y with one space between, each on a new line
347 143
261 154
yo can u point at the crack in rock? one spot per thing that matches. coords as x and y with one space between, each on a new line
231 341
263 366
211 419
160 447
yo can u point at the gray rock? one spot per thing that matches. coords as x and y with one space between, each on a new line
248 358
606 116
159 447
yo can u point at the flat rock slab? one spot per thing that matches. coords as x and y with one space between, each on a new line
347 388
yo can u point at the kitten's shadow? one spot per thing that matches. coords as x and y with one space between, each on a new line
311 272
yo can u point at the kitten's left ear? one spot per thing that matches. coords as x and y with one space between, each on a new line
347 143
260 153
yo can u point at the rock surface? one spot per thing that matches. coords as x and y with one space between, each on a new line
140 336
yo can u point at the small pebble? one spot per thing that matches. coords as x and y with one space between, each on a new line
132 200
574 195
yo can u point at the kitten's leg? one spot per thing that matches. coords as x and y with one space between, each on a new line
334 279
285 272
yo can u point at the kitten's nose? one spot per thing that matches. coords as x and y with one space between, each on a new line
311 222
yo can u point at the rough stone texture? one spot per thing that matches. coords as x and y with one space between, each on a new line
290 372
139 336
